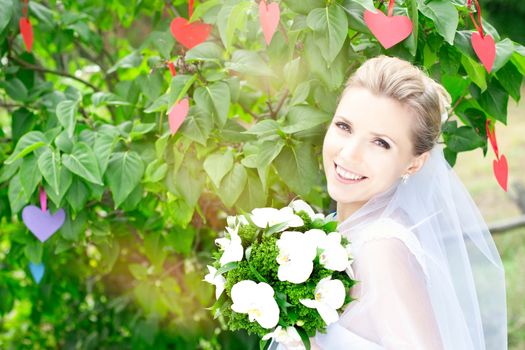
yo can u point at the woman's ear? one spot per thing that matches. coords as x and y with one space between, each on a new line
418 162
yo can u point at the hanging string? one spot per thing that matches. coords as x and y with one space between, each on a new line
190 8
480 27
25 7
391 8
43 199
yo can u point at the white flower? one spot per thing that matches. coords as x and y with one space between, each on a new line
233 250
334 256
256 300
329 296
262 217
296 255
218 281
236 220
299 205
288 336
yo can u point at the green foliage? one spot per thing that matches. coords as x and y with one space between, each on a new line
85 116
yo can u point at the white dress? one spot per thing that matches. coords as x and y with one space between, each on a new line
393 310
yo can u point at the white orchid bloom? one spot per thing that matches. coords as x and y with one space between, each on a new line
233 250
289 337
299 205
329 296
296 255
256 300
334 256
217 281
271 216
237 220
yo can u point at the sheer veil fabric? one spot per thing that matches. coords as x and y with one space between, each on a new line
440 286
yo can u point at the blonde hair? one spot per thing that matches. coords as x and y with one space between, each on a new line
401 80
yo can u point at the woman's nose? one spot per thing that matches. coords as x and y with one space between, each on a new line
352 151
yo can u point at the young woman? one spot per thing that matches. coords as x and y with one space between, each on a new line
430 276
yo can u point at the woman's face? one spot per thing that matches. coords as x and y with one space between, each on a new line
369 136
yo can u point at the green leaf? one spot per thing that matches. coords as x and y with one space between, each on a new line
227 267
464 139
197 126
16 195
203 8
179 86
83 162
236 21
107 98
475 71
64 184
66 113
139 271
250 63
268 151
49 165
34 250
254 195
494 101
331 28
302 118
232 185
214 98
156 171
27 144
263 129
104 144
15 89
73 228
63 142
6 14
22 122
207 51
30 175
124 173
217 165
298 167
444 15
134 59
154 248
510 78
77 194
190 180
504 51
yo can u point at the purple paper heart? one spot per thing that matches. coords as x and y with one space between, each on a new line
42 224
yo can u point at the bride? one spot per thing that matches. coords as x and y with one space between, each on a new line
429 274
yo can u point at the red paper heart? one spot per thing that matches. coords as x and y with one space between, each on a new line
501 170
27 32
177 114
388 30
492 138
189 34
269 16
485 48
173 71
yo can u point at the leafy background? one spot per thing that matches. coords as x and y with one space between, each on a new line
84 114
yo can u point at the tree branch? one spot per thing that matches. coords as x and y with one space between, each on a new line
50 71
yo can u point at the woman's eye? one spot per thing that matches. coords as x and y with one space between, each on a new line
346 127
343 124
383 144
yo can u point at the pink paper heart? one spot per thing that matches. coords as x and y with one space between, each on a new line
177 114
492 137
42 224
189 34
269 16
27 32
501 170
485 48
388 30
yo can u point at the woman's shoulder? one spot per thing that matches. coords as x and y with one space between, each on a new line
390 239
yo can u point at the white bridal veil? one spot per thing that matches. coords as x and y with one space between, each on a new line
466 280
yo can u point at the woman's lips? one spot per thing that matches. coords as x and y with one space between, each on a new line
346 181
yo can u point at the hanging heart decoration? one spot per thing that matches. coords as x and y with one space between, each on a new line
388 30
37 270
189 34
269 16
500 166
173 71
40 221
177 114
483 44
25 27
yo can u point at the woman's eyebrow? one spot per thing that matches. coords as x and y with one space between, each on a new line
373 133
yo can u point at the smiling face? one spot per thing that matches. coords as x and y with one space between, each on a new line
369 136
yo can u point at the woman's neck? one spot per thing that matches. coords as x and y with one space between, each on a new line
344 210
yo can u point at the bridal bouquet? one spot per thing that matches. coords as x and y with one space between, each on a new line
281 274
